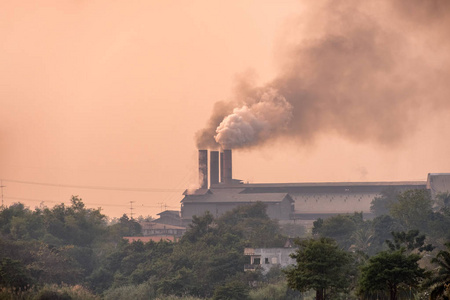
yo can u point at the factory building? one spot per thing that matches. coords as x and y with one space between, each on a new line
289 202
280 206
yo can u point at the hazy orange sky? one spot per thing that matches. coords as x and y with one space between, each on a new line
110 94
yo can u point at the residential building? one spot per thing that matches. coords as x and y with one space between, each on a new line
267 258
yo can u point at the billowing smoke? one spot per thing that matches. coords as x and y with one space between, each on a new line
252 123
366 70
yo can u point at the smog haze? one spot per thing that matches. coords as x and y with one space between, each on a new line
111 100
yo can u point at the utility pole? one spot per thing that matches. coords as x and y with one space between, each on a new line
131 209
2 186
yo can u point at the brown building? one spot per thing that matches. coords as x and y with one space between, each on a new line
169 217
157 229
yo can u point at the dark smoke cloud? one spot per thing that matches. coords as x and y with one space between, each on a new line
205 137
368 71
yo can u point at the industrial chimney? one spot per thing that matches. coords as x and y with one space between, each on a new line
213 167
203 168
227 166
221 166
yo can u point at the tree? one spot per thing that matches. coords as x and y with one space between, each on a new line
381 205
294 230
362 239
443 200
210 254
440 282
340 228
75 224
383 226
438 224
20 222
199 227
413 209
253 224
125 227
13 274
389 270
232 290
410 241
320 265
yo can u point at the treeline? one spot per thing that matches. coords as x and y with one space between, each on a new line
68 250
55 246
71 252
402 253
394 212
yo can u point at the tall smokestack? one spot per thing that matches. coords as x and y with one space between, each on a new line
221 166
227 166
213 167
203 168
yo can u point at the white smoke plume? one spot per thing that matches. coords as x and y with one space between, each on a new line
254 123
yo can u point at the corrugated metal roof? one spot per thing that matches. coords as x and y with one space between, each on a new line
338 184
333 203
336 187
235 195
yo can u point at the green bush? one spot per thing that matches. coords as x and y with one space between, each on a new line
64 292
274 291
135 292
233 290
53 295
178 298
49 292
15 294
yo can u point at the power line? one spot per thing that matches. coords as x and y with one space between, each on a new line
145 190
56 201
87 203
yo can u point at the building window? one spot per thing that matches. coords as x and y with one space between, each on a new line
257 261
266 260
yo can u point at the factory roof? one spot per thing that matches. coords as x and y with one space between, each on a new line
235 195
321 184
325 187
275 192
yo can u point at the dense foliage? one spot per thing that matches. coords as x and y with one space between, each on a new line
72 252
440 282
390 270
74 245
322 266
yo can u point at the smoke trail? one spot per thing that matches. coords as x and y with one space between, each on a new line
367 71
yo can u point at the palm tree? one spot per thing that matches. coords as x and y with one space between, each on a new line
362 239
441 281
